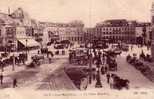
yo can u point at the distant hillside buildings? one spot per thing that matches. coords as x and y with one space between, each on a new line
18 31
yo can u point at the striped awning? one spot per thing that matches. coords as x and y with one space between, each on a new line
29 42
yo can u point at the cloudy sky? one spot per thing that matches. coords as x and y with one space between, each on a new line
89 11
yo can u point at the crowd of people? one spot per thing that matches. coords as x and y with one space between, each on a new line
6 59
21 58
104 62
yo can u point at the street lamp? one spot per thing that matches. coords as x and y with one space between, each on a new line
90 67
26 47
14 49
98 78
90 60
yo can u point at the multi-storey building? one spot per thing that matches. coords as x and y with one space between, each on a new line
75 33
143 30
14 31
90 34
60 31
116 30
7 31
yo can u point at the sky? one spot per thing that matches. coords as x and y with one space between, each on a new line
89 11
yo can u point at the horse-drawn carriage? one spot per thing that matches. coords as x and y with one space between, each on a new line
120 83
112 65
8 59
78 57
36 61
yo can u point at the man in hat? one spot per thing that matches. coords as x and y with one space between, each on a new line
1 78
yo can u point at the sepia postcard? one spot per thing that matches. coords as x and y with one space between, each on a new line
72 49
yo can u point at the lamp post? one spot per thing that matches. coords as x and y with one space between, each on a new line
26 47
14 49
90 41
98 78
90 60
90 67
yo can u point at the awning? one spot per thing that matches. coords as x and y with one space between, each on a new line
29 42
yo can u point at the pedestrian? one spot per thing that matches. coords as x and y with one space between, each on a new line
49 58
47 54
38 51
70 57
106 69
1 78
108 78
131 47
103 58
22 57
99 55
14 82
102 70
94 73
94 52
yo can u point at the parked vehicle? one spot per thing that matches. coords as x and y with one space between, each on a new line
5 54
125 47
59 46
128 58
78 57
112 65
36 61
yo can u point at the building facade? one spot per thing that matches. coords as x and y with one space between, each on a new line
90 34
143 30
7 31
116 30
60 31
14 29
